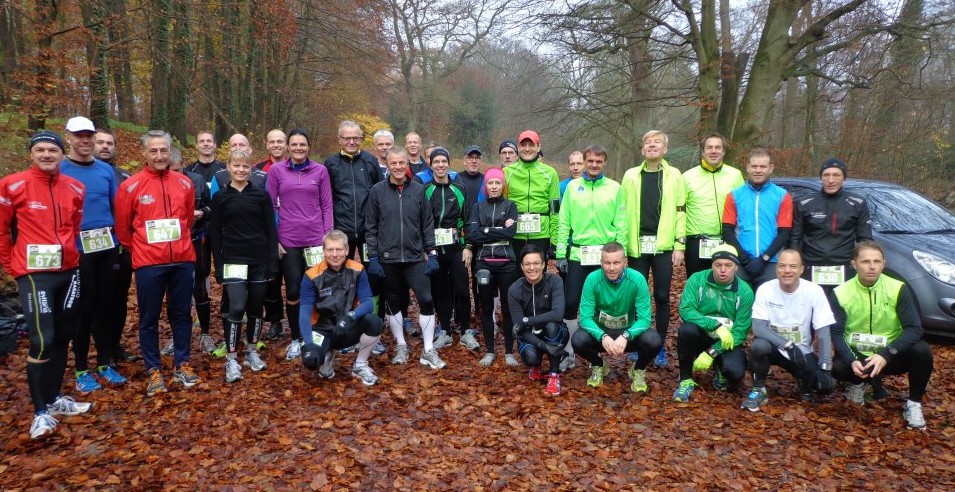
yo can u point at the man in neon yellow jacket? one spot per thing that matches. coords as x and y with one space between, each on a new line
878 331
706 188
593 211
535 188
654 196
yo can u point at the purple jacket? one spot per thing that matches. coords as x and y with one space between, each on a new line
303 201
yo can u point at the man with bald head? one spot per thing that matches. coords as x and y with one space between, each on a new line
275 143
416 162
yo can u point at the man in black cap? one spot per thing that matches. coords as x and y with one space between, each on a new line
472 178
827 225
508 152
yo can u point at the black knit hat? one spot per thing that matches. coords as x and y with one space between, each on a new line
46 136
837 163
440 151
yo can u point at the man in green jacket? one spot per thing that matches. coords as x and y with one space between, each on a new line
535 188
593 211
706 188
878 331
654 197
615 318
717 312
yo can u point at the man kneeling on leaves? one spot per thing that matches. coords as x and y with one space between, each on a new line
341 316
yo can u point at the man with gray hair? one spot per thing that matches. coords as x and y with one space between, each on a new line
154 211
384 140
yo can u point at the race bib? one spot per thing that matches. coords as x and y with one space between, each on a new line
648 245
791 333
829 275
317 338
313 255
444 237
95 240
44 256
528 223
240 272
866 343
162 231
613 322
707 246
590 255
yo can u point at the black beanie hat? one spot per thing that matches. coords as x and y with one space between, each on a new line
837 163
46 136
440 151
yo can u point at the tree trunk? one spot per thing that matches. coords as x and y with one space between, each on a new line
180 70
708 60
37 101
96 55
119 61
159 102
10 47
731 73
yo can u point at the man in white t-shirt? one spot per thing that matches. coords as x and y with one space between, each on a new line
788 313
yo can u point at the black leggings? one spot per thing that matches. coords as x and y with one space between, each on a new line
245 297
51 307
588 347
200 288
120 299
917 361
293 269
574 286
533 356
692 258
449 287
762 355
662 266
503 275
693 341
97 276
518 245
401 276
369 324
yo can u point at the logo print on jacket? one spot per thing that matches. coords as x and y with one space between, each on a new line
146 199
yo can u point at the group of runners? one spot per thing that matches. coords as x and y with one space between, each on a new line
350 237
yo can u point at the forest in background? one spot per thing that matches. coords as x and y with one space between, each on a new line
867 80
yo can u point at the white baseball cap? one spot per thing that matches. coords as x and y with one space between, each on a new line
80 124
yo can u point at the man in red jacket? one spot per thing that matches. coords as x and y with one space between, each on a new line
40 214
154 211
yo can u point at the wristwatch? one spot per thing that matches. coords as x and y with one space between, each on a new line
712 352
524 320
681 240
765 258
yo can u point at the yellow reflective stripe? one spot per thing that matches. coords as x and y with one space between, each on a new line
36 316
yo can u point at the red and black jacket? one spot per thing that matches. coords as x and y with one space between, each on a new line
154 195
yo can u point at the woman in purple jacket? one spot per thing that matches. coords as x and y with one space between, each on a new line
302 199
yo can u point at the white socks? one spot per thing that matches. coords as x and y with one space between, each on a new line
396 323
426 322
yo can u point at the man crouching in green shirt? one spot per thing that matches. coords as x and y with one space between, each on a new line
615 318
717 312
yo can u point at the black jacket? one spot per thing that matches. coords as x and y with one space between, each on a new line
207 171
473 184
242 229
450 210
203 203
399 223
540 304
351 180
827 227
487 226
256 178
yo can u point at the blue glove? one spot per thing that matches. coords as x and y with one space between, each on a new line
432 267
374 268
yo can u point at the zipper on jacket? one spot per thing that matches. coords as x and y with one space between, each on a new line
441 216
165 206
57 221
756 217
401 223
354 197
871 310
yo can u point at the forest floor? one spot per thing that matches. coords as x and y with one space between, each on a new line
468 428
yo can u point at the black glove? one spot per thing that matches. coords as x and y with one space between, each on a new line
551 253
518 328
754 267
562 265
553 349
797 357
310 356
824 382
345 324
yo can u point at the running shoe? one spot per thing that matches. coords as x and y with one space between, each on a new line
111 376
64 405
294 350
254 361
327 369
169 349
121 355
661 359
719 381
633 357
155 384
401 354
431 359
487 360
86 383
469 340
43 425
274 331
553 384
856 393
348 350
638 380
683 392
755 399
233 371
206 343
379 348
365 374
913 415
510 360
220 350
442 339
535 374
568 363
597 374
410 327
186 375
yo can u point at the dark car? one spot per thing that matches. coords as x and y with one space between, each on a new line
918 236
